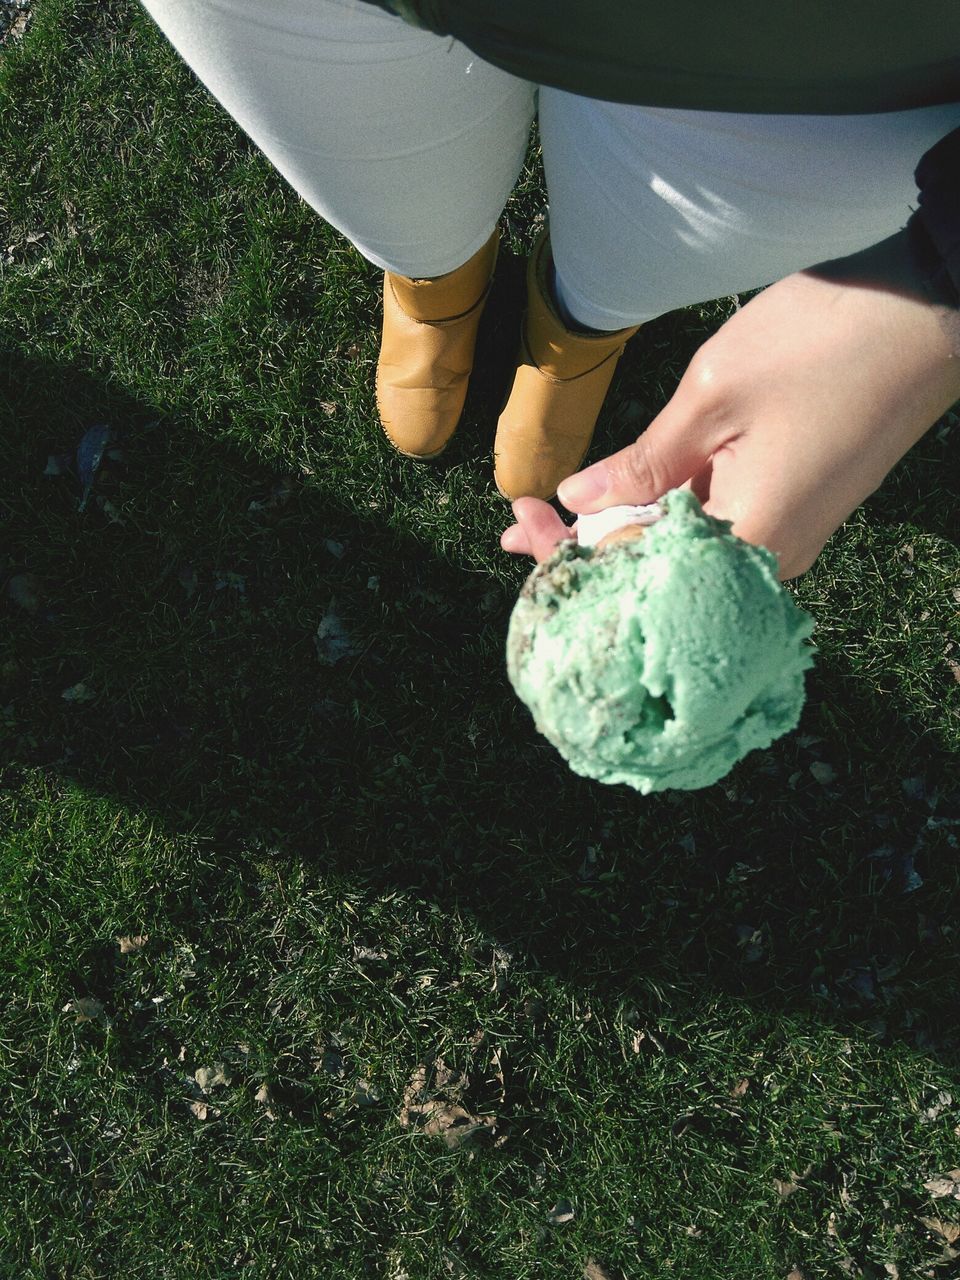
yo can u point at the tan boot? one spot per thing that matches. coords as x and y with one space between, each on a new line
547 424
429 335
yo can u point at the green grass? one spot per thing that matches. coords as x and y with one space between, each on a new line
346 872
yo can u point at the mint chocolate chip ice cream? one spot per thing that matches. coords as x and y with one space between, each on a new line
660 660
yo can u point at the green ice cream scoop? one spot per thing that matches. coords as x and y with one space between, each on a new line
661 660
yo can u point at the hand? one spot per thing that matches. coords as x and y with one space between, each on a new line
790 415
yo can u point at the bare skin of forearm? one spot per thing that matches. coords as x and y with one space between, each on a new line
890 268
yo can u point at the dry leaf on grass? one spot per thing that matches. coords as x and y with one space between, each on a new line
563 1211
740 1088
129 945
785 1188
264 1097
368 953
500 965
18 22
78 693
940 1104
433 1100
534 1008
210 1077
203 1109
595 1271
446 1078
440 1117
496 1061
87 1009
949 1231
331 1063
365 1094
449 1121
946 1185
846 1198
332 640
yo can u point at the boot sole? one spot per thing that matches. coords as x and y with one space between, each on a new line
417 457
509 499
420 457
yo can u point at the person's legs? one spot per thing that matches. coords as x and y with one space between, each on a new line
404 141
653 209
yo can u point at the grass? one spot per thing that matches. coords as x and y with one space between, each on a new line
720 1028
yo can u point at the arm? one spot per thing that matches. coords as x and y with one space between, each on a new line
796 409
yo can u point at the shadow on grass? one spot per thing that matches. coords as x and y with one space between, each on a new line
253 660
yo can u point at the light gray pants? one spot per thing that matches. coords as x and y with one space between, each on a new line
410 146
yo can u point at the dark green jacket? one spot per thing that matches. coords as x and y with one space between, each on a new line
808 56
829 57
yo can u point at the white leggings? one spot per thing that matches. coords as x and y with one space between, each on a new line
410 145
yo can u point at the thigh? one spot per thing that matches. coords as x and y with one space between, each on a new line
402 139
653 209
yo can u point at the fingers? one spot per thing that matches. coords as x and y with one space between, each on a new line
785 516
537 531
678 444
659 460
515 540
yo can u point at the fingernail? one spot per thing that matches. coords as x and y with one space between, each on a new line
583 488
